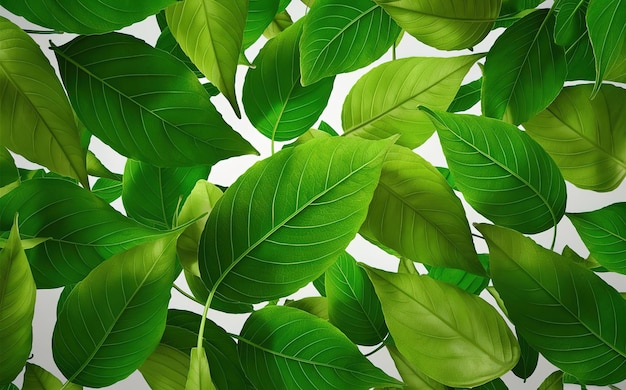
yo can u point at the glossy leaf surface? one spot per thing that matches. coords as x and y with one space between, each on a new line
565 312
164 117
412 377
37 378
285 348
114 318
459 339
107 189
36 119
260 15
570 21
370 111
166 368
503 174
584 136
254 254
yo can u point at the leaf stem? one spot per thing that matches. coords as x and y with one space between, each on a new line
393 51
43 32
185 294
553 238
204 314
380 346
478 236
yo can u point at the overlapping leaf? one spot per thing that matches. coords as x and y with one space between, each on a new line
114 318
444 24
570 21
8 172
168 43
524 70
451 336
554 381
285 348
584 136
83 229
467 96
527 360
37 378
318 306
85 16
503 174
199 376
274 99
566 312
166 368
284 221
107 189
144 103
370 111
473 284
340 37
36 119
412 377
260 15
415 212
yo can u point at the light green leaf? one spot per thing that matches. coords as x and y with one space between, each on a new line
255 254
260 14
353 306
285 109
210 32
469 282
585 136
450 335
97 169
164 117
114 318
570 21
503 174
444 24
553 382
37 378
83 229
524 69
85 17
565 312
286 348
527 360
415 212
153 195
340 37
606 22
166 368
467 96
17 307
107 189
280 23
318 306
36 120
604 233
370 111
168 43
412 377
199 376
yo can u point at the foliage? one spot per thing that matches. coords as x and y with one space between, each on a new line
286 222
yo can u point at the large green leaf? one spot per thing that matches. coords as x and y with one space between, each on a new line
83 16
565 311
114 318
370 111
503 174
524 69
164 117
83 229
36 119
415 212
210 32
37 378
199 376
153 195
604 233
166 368
274 99
570 21
606 21
585 136
17 307
412 377
353 306
444 24
260 15
285 348
340 37
450 335
285 220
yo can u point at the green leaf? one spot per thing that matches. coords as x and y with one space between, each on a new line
604 233
199 374
503 174
114 318
415 212
17 307
83 229
412 377
285 109
353 306
166 368
254 254
496 384
36 120
524 70
459 339
370 111
467 96
445 172
340 37
134 114
318 306
570 21
153 195
37 378
527 360
9 386
471 283
606 21
210 32
280 23
565 312
443 24
285 348
260 14
9 173
85 17
320 284
584 136
553 382
581 62
107 189
515 6
167 42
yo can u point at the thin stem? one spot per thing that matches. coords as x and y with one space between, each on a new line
43 32
203 321
553 239
185 294
272 146
376 350
393 51
478 236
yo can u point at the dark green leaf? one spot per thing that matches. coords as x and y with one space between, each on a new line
570 21
325 127
9 386
467 97
471 283
581 62
527 360
496 384
260 15
320 285
37 378
63 297
8 170
107 189
167 42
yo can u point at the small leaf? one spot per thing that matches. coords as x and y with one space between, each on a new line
320 284
285 348
469 282
459 339
553 382
503 174
570 21
467 97
37 378
199 374
318 306
281 22
412 377
107 189
527 361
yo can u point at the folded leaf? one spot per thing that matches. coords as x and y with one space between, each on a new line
199 374
318 306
